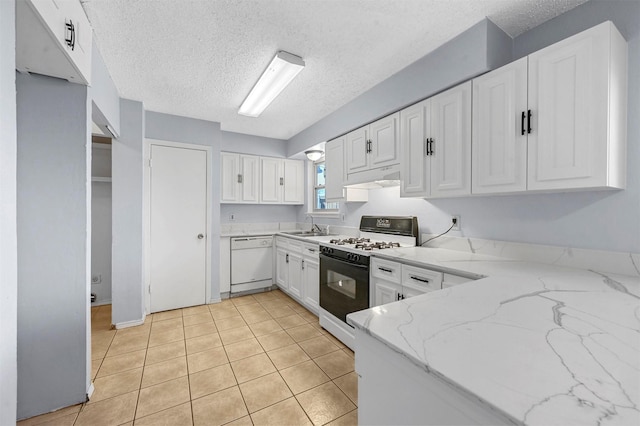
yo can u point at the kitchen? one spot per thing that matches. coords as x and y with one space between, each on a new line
573 220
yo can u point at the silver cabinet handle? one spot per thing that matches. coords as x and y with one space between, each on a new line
200 236
281 181
239 178
303 265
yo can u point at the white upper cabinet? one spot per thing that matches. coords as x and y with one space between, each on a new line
373 146
240 176
555 120
249 179
499 141
282 181
334 168
384 142
450 145
54 38
357 149
271 180
335 176
577 97
414 123
293 182
436 138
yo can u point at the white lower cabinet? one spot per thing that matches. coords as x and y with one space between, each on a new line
394 391
311 277
282 267
392 281
298 270
294 264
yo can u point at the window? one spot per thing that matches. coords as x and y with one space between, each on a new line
319 200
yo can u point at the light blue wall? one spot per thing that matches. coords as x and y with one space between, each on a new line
189 130
251 213
605 220
479 49
53 226
254 145
8 233
127 276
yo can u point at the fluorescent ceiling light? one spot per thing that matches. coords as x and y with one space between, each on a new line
314 154
282 69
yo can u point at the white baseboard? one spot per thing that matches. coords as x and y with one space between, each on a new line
90 391
215 300
128 324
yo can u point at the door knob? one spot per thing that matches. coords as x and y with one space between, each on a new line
200 236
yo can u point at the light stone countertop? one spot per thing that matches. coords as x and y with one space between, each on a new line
544 344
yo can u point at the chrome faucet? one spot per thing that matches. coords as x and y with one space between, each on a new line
314 227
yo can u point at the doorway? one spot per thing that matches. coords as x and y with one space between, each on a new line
178 220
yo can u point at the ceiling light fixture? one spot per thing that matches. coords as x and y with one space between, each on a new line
282 69
314 154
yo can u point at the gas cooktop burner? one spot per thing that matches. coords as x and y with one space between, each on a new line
350 241
377 246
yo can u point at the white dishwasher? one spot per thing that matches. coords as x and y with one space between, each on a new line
251 263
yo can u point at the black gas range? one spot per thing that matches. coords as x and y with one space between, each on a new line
344 268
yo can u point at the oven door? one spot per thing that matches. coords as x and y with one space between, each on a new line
344 286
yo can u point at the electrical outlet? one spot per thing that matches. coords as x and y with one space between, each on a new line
96 279
232 217
455 221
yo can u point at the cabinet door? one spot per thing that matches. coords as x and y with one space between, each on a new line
568 98
357 150
282 268
295 274
250 187
385 292
499 131
41 33
270 186
230 177
311 280
293 182
451 133
414 121
384 142
334 169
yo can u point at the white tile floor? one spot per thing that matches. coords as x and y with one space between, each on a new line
261 359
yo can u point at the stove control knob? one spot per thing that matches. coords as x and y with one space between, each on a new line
356 258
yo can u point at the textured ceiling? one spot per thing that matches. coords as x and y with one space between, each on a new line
200 58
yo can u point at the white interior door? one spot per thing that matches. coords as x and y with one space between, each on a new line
178 233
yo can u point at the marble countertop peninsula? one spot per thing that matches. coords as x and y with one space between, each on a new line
542 343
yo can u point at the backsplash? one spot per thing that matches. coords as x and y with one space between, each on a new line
595 260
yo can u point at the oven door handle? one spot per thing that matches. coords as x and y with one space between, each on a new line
333 259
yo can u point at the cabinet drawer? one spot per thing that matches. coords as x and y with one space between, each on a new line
387 270
311 250
295 246
421 279
282 242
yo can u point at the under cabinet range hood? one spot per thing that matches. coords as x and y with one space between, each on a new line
377 178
